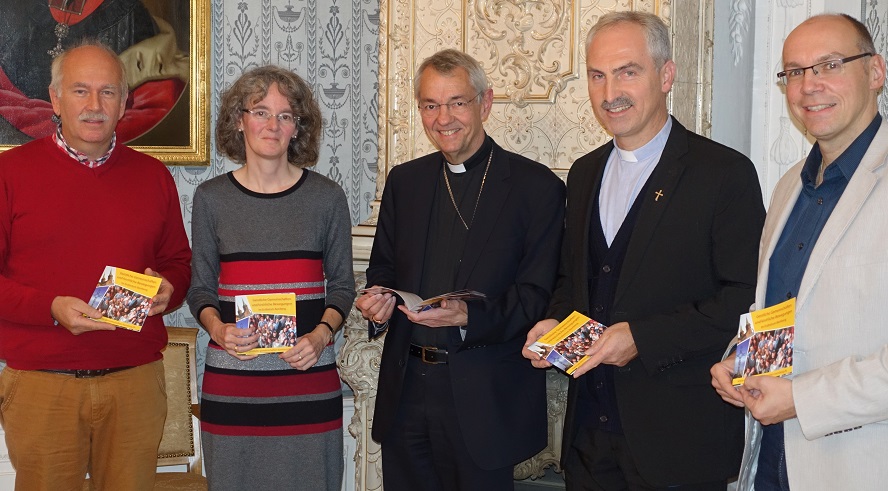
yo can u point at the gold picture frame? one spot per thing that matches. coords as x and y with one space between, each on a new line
182 135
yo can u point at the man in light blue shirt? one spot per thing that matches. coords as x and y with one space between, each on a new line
824 244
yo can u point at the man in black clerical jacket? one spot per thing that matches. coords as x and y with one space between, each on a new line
457 406
661 242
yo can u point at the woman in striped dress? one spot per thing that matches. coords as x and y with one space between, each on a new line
272 421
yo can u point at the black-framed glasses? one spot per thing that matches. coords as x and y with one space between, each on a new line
823 69
458 107
264 116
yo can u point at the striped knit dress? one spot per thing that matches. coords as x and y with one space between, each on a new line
264 424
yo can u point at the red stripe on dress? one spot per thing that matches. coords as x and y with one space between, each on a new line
298 384
270 272
272 430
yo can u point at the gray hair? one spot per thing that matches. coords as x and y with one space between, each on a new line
57 63
656 33
445 62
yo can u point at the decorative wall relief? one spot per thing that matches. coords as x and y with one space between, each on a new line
875 16
359 367
785 151
740 20
538 37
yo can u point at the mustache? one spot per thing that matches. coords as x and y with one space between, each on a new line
618 102
92 116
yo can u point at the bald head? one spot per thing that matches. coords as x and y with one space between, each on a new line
836 101
90 47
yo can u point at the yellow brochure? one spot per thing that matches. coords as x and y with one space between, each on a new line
566 344
765 346
124 297
273 315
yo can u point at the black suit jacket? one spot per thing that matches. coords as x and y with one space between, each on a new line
511 255
689 272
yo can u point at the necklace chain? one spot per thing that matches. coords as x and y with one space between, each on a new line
62 29
477 200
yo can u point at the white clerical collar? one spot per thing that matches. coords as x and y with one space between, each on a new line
456 169
625 155
649 149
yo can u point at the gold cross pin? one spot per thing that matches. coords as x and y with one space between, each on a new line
658 194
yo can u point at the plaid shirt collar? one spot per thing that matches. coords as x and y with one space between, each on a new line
80 156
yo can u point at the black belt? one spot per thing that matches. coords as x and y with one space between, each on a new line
100 372
429 354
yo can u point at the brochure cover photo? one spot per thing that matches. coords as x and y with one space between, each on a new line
566 344
765 346
124 297
273 315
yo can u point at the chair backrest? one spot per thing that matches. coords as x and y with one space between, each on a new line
181 432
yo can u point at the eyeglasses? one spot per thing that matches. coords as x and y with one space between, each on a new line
457 107
823 69
264 116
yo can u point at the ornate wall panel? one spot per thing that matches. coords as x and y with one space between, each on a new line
875 16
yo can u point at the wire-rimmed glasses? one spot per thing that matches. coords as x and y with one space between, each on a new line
824 69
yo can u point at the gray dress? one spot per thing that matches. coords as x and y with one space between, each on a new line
264 424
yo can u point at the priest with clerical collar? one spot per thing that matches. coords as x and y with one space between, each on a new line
456 406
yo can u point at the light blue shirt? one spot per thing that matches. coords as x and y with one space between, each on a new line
625 174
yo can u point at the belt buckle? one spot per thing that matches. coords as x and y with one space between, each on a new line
429 349
88 373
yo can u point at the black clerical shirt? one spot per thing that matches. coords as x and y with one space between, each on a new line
447 238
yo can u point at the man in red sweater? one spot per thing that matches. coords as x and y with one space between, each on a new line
79 395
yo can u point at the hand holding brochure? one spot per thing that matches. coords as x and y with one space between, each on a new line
566 344
273 315
416 304
765 346
124 297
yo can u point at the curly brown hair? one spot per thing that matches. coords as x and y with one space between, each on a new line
251 88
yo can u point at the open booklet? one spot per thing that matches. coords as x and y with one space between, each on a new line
416 304
274 317
124 297
566 344
765 342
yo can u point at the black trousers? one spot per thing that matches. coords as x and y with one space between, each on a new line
601 461
425 450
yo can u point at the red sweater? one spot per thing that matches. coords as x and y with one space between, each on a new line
61 223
